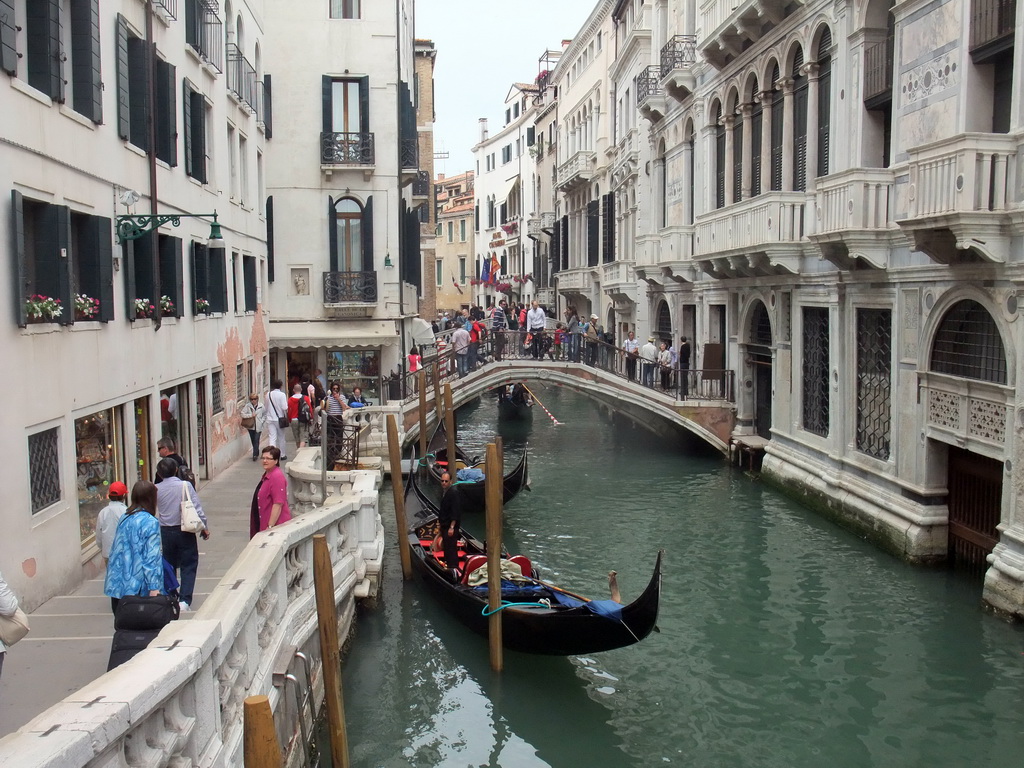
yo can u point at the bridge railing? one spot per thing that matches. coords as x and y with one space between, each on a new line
682 384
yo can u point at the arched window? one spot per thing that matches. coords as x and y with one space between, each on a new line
760 326
968 344
799 123
756 120
824 100
719 158
663 329
351 236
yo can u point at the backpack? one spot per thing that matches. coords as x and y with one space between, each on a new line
186 474
305 416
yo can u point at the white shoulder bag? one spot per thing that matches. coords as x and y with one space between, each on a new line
191 522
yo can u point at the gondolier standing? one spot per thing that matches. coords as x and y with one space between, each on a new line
449 517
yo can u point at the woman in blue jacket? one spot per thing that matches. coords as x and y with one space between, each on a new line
136 564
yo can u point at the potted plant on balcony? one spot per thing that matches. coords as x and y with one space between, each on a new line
202 306
144 309
42 309
86 307
166 306
503 287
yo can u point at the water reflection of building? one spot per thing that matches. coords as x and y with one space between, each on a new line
163 313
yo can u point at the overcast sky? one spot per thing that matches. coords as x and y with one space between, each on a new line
483 46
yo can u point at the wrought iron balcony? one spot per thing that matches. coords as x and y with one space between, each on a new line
678 56
346 149
961 197
241 77
350 288
204 32
421 185
575 171
878 65
992 24
410 154
650 96
169 8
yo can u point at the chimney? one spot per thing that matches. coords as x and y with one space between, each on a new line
483 129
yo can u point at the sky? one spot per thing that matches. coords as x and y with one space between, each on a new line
483 46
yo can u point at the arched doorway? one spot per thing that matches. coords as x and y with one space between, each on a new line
759 353
968 345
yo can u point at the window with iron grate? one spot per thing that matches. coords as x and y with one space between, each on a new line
815 370
217 401
968 344
874 381
44 469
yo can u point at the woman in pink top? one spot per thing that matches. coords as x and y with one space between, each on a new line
270 501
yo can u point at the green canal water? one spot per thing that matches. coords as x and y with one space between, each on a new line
784 640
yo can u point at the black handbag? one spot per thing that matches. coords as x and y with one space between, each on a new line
139 613
282 421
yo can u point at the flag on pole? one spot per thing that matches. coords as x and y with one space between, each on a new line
485 273
495 268
456 284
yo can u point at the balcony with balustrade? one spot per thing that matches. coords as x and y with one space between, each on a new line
339 151
576 171
760 236
650 96
350 294
730 25
961 197
618 281
678 57
576 281
854 217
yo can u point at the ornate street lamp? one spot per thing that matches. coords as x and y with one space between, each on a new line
132 226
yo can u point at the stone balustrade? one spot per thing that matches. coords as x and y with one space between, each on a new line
179 702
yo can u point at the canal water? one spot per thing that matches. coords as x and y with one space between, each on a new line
784 640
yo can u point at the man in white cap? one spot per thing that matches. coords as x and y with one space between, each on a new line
648 358
593 337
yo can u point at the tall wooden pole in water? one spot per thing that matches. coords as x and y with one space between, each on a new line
492 489
449 425
330 650
395 456
421 380
436 371
260 748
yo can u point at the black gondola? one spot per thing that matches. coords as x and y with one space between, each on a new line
514 402
473 490
540 618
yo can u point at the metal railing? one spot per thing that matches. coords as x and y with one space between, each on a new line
241 77
678 53
991 20
350 287
648 83
347 149
340 443
878 69
410 153
421 184
680 383
170 8
204 32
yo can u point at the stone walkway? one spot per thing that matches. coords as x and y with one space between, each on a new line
70 639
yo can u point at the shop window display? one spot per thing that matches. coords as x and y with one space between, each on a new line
356 368
99 463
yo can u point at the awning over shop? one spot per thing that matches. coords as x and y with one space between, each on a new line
510 185
339 334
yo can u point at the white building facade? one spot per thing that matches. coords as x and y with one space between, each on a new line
161 335
346 233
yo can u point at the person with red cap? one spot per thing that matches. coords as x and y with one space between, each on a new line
109 517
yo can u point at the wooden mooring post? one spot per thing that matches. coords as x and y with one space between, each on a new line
449 425
493 481
260 748
395 457
330 650
421 379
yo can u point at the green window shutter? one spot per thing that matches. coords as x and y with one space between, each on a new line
21 285
186 125
170 271
123 102
99 237
86 72
593 232
332 234
8 38
326 86
138 102
364 104
270 239
565 242
218 280
128 259
249 281
556 246
200 274
608 214
64 256
166 113
366 232
199 136
268 108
